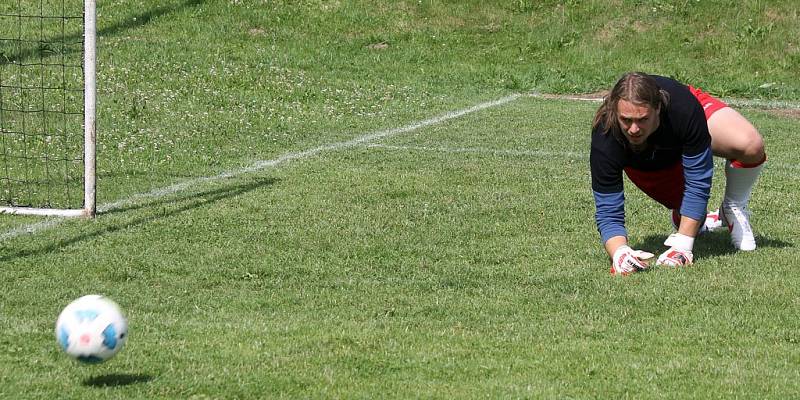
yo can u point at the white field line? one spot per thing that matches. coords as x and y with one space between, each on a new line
787 169
483 150
261 165
745 103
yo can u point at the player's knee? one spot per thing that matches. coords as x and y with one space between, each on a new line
751 146
754 148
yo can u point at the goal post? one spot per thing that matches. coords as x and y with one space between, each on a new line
48 98
90 108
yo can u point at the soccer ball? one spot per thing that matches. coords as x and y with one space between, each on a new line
91 329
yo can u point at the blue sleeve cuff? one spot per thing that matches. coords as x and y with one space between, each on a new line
698 171
610 214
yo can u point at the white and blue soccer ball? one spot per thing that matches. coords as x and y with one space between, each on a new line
91 329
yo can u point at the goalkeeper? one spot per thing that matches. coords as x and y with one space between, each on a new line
663 134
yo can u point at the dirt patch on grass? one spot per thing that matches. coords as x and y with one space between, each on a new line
596 95
256 31
786 112
378 46
586 96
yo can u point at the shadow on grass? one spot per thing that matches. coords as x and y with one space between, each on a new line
710 244
181 195
112 380
159 208
37 51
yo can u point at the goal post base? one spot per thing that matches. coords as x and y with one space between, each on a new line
54 212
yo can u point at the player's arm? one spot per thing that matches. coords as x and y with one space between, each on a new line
689 226
610 218
607 188
613 243
698 169
605 164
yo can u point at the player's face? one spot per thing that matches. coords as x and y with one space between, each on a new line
637 122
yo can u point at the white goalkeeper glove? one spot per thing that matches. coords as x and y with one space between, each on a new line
679 253
627 260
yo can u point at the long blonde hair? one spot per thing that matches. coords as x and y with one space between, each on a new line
636 87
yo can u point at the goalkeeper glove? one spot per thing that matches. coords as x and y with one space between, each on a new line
679 253
627 260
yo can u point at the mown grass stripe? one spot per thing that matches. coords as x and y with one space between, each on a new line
540 153
261 165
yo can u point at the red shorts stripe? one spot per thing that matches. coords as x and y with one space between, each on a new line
664 185
710 103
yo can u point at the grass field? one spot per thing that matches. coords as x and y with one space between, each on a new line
323 199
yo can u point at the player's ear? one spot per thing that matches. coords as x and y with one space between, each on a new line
664 99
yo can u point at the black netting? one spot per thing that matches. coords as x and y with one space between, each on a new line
41 103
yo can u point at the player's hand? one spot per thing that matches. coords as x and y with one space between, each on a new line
680 251
675 258
627 260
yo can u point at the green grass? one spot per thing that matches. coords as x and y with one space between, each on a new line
456 260
191 87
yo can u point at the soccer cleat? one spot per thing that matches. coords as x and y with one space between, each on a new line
738 221
713 221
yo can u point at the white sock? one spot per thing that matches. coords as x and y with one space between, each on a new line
739 181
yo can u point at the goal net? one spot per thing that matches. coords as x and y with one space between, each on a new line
47 107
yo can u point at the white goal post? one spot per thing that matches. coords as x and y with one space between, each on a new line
22 52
